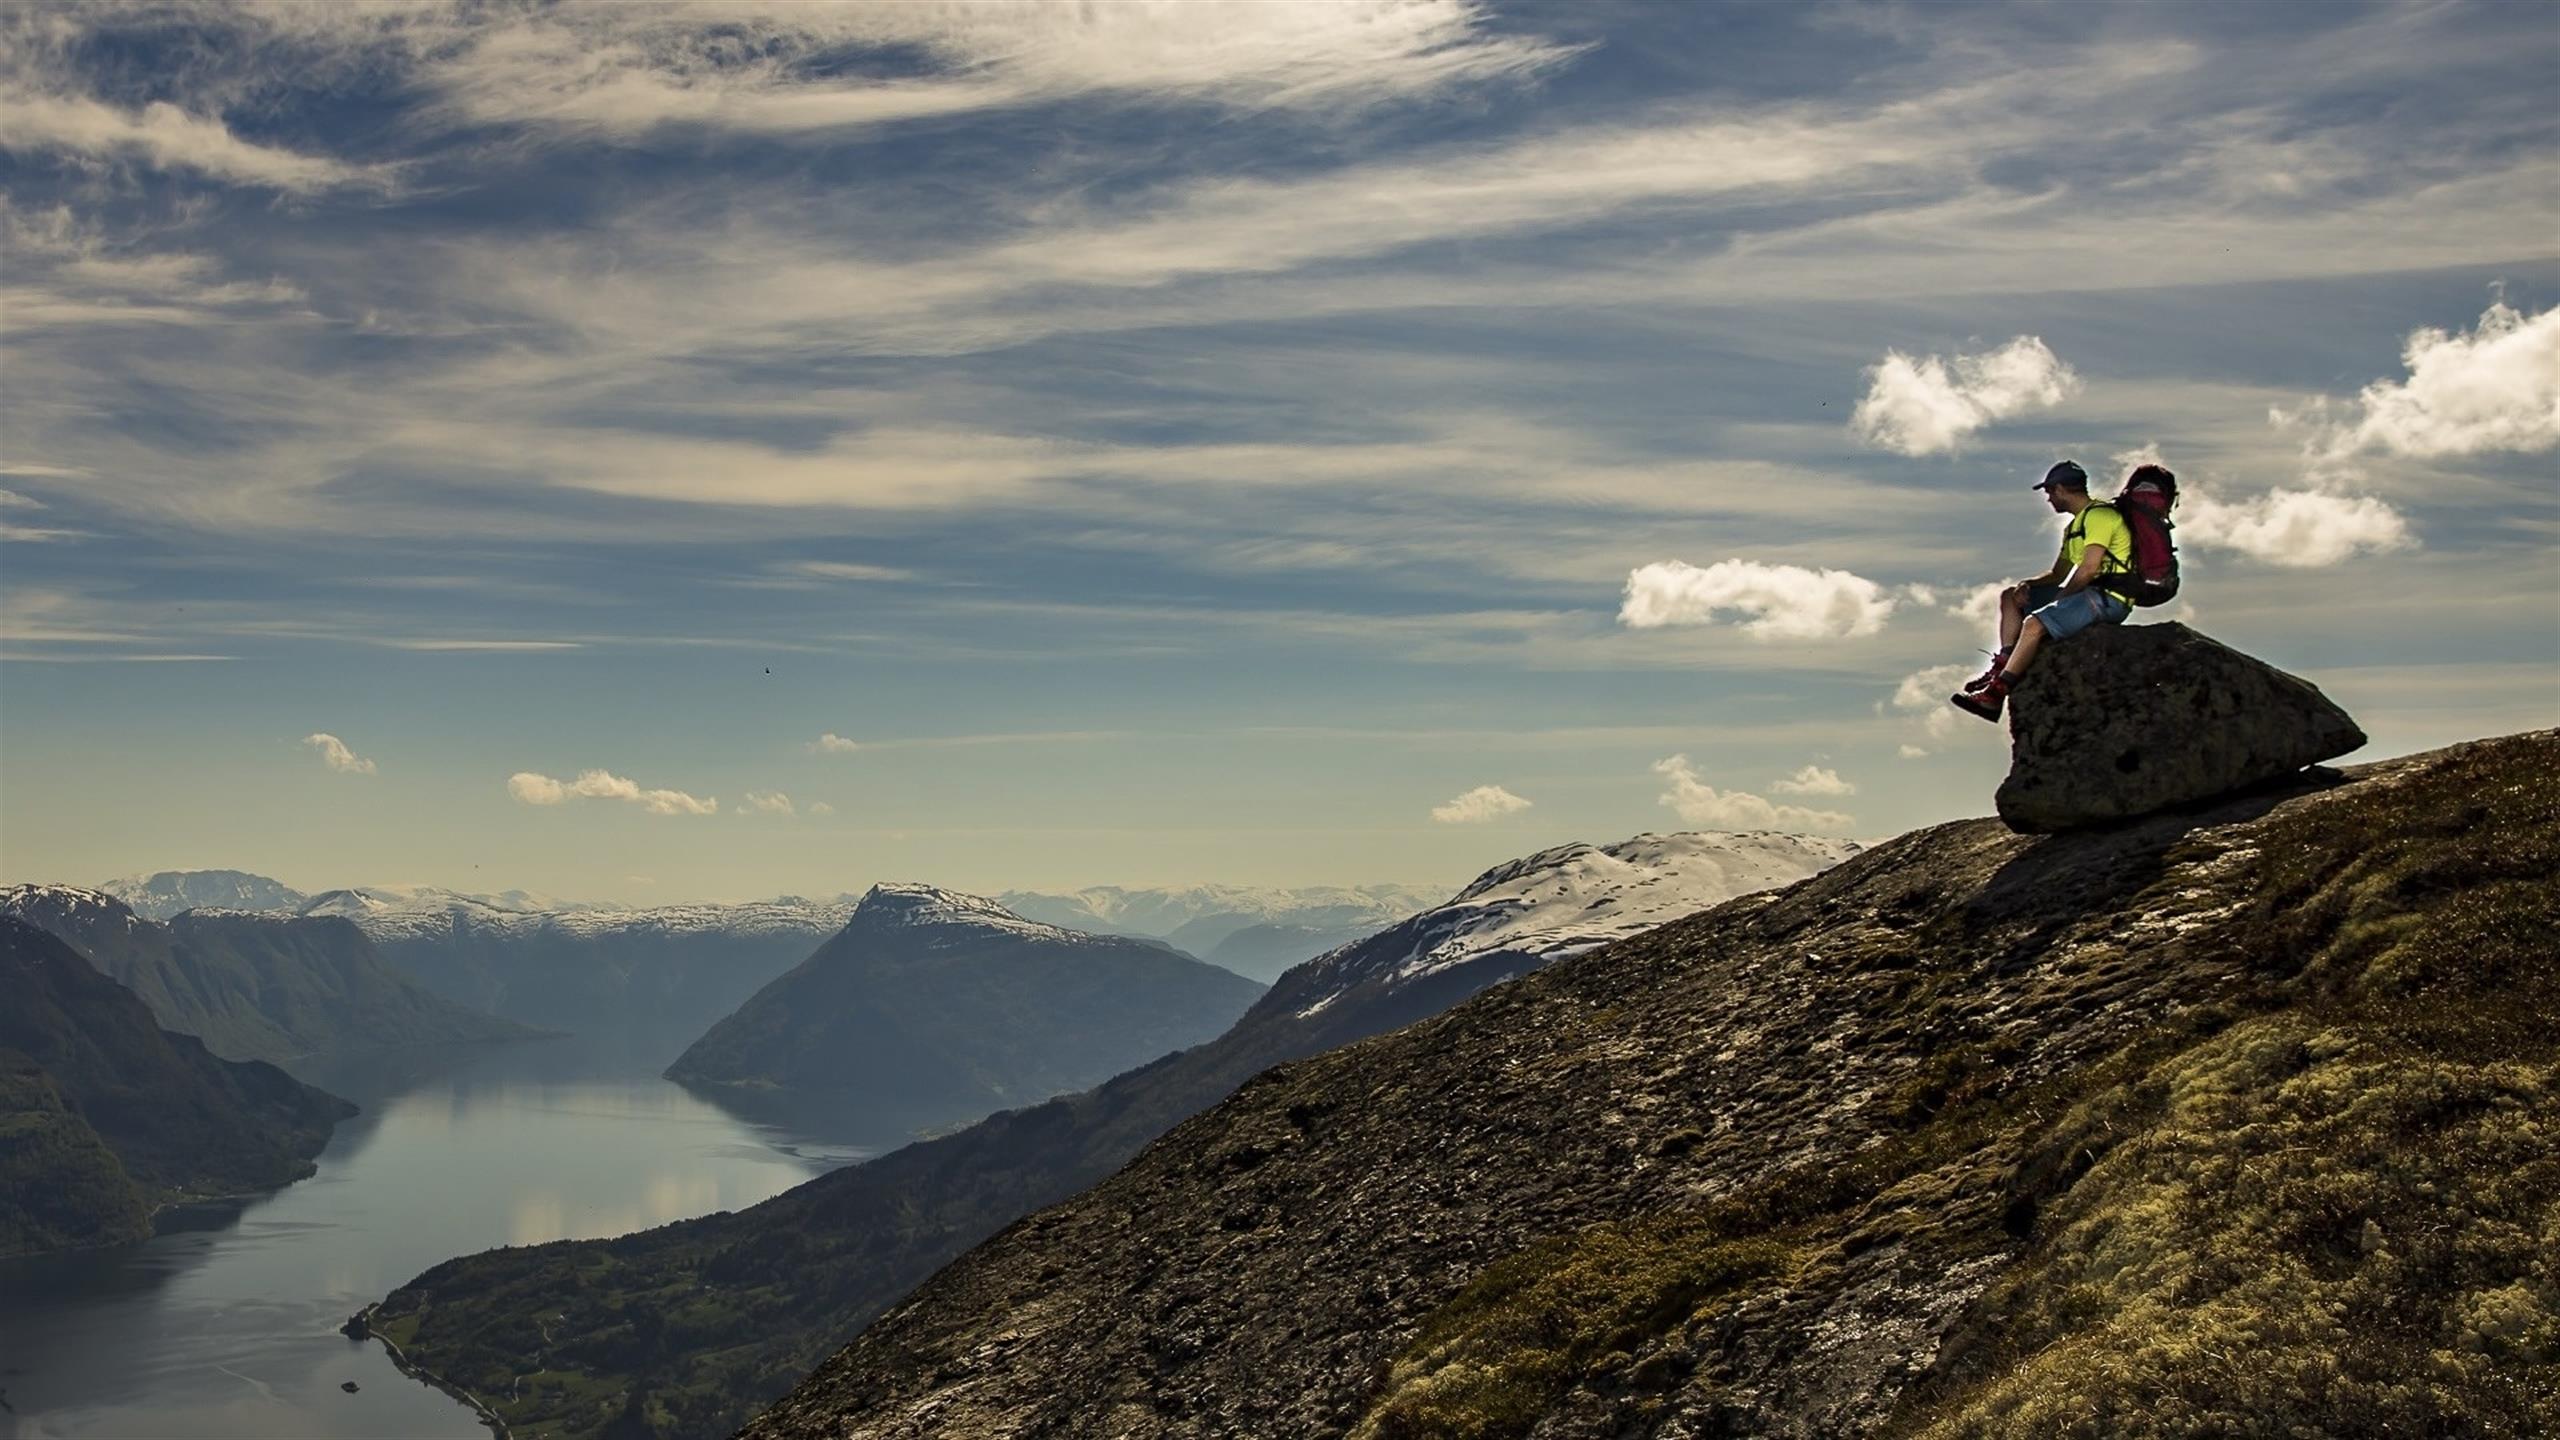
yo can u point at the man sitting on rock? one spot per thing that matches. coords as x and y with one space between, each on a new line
2063 601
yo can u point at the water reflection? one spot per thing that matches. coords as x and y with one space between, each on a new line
225 1323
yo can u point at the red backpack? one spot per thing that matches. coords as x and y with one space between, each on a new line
2150 493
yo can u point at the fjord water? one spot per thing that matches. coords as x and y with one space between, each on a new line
226 1323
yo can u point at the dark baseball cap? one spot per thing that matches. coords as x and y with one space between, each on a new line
2066 475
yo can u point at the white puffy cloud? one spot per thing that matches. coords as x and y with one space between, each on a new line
2496 388
821 807
1478 806
1927 406
2296 529
1699 803
533 789
767 802
1813 780
1924 693
1783 602
334 753
833 744
1914 752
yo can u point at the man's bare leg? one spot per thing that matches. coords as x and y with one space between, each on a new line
2013 613
2023 654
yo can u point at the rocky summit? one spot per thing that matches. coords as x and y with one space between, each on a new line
2238 1121
2125 720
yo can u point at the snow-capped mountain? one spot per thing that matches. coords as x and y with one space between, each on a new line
164 893
55 908
1559 902
417 913
253 985
905 904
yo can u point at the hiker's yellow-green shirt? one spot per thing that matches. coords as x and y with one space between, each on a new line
2101 526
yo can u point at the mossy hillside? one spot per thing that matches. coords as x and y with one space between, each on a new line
2336 1218
61 1188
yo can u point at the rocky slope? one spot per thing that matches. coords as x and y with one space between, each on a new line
255 987
946 1005
104 1114
684 1330
2236 1122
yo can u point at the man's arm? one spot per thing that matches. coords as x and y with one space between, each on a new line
2093 558
2050 577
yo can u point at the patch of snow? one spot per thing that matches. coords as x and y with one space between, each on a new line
896 903
1573 898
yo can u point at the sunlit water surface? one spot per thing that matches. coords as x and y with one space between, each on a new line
226 1323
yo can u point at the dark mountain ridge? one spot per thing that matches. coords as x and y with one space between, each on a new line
254 986
2236 1121
104 1114
943 1004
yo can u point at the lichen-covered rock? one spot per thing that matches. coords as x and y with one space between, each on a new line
2121 721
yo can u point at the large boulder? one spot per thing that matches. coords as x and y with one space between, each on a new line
2123 720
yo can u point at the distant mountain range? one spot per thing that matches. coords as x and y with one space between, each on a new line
1199 919
255 986
105 1115
673 970
776 1287
934 1003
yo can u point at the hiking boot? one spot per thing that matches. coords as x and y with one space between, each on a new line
1982 682
1985 702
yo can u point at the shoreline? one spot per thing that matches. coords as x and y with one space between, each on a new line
359 1326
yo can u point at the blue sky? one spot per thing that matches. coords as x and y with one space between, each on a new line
497 445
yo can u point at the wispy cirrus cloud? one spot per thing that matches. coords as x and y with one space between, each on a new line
776 69
167 137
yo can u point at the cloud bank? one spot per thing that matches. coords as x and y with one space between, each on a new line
1698 803
1928 406
534 789
1479 806
1781 602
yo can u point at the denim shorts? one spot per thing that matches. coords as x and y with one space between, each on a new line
2064 615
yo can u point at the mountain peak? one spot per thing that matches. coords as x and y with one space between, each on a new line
902 902
34 903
